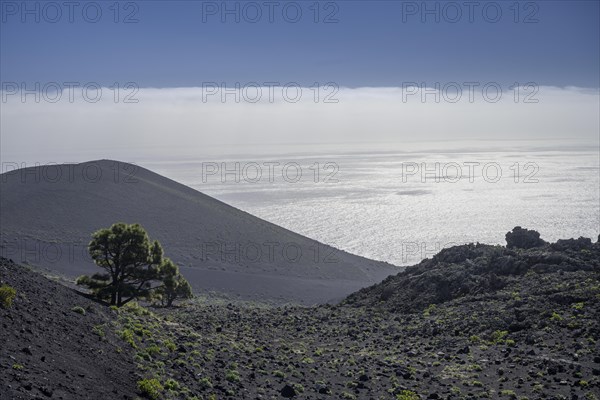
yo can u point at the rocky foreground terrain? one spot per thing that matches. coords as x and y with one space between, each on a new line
475 321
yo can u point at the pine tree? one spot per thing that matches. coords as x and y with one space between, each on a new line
131 262
175 286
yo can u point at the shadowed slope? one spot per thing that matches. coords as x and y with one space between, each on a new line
47 350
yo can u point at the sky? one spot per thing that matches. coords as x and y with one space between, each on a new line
353 43
175 59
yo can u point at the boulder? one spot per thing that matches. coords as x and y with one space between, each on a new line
288 391
521 238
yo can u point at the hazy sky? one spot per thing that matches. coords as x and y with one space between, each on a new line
363 56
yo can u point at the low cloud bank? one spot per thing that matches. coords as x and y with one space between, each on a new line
78 121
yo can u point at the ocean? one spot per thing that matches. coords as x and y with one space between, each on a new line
403 205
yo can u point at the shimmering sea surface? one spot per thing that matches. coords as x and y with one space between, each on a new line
401 205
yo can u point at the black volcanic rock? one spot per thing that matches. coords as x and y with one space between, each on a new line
572 244
477 269
288 391
523 238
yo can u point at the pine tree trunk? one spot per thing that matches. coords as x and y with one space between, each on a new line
115 288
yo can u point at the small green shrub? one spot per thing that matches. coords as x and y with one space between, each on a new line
151 388
172 384
7 295
498 337
98 330
170 345
136 309
78 310
475 339
429 310
232 376
153 350
18 367
205 383
143 356
298 388
407 395
556 317
509 393
127 336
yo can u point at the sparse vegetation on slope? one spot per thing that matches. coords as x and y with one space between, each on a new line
480 341
474 322
7 295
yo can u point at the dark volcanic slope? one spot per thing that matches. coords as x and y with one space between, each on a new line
58 207
47 350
